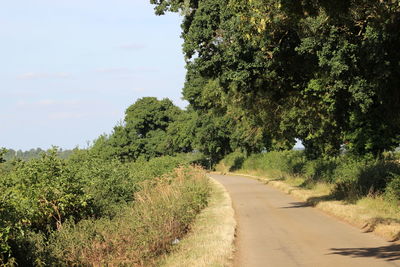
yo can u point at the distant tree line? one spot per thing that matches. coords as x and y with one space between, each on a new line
34 153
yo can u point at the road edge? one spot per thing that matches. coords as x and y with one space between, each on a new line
201 246
389 232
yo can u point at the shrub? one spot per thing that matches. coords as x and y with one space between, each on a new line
320 170
232 162
162 212
291 162
142 169
39 196
361 177
392 191
353 177
106 183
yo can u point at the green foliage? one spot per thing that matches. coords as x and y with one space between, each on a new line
142 231
143 170
107 184
182 132
40 196
212 138
355 178
320 71
291 162
151 128
321 170
44 192
393 189
3 151
234 161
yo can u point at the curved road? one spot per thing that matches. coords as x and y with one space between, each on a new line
276 230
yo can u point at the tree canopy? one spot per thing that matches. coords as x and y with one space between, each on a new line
325 72
143 132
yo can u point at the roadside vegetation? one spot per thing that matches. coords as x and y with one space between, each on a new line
122 201
90 211
363 191
211 240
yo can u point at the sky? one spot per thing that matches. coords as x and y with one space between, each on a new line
70 68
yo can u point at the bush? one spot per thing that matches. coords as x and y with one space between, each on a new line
232 162
393 189
320 170
39 196
142 169
106 183
291 162
361 177
162 212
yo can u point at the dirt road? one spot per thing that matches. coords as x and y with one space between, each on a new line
276 230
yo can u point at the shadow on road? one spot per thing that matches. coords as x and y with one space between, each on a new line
294 205
388 253
310 202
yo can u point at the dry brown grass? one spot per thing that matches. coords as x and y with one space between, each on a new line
162 212
210 242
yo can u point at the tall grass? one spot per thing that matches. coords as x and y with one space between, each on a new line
162 212
48 197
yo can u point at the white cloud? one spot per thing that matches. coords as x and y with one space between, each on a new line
132 46
146 69
112 70
48 103
126 71
66 115
43 75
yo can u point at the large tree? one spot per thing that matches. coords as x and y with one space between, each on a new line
143 132
326 72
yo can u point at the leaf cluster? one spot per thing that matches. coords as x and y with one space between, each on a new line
324 72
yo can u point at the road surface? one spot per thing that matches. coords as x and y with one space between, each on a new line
276 230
